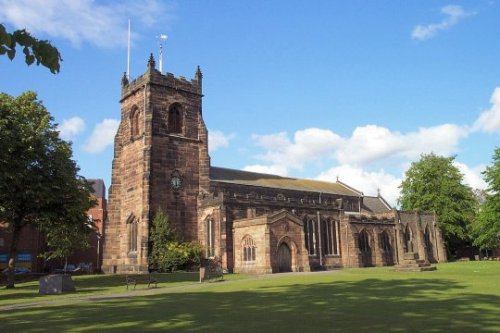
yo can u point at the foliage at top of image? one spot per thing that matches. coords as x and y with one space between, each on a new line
40 51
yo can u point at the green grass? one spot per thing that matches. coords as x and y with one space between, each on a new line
458 297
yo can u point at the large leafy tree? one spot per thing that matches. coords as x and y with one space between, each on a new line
434 184
40 51
486 227
39 181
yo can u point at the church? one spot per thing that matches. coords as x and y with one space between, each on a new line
251 222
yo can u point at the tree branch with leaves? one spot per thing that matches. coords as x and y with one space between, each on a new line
40 51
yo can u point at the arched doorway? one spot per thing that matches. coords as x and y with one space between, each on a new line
365 248
386 248
284 258
408 240
428 245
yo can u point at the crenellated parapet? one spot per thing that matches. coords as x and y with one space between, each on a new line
154 77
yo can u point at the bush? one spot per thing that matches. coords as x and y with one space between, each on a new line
176 255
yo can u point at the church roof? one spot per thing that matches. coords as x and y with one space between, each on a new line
375 205
239 177
99 188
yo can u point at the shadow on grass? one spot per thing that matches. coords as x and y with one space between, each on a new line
369 305
89 284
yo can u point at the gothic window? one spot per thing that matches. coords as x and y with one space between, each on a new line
210 237
385 242
248 249
408 239
364 242
311 236
132 234
329 237
175 118
134 121
427 237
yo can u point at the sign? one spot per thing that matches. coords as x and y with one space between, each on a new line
23 256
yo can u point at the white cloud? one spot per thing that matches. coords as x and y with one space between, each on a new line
272 169
98 23
367 182
453 14
489 120
71 127
102 136
309 145
367 144
441 140
218 139
472 176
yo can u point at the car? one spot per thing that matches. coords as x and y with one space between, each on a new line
68 268
18 270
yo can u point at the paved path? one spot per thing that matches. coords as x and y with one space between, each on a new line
152 291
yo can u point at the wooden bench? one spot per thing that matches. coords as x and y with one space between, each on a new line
211 269
149 279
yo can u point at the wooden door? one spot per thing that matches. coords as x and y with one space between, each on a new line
284 258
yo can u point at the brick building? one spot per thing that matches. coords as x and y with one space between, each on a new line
253 222
31 242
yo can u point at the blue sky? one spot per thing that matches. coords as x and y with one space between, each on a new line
314 89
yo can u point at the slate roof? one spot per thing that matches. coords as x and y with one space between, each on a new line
99 188
375 205
230 176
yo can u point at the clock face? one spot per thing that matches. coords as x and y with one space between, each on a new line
175 182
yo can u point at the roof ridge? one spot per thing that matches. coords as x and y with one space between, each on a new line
349 187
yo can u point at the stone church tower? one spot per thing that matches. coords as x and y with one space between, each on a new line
160 161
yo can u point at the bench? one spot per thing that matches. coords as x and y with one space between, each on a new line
211 269
149 279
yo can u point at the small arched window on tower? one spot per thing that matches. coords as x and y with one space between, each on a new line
175 118
134 122
132 234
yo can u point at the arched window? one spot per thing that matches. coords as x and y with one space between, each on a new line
175 118
134 121
311 236
329 237
364 242
385 242
210 237
428 244
408 239
248 249
132 234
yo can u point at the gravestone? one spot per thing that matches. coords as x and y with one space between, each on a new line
56 284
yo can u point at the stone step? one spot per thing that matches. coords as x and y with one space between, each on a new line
414 269
414 265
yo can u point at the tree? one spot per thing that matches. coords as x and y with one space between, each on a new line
160 236
167 254
34 49
434 184
39 182
486 227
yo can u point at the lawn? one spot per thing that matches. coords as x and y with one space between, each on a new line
458 297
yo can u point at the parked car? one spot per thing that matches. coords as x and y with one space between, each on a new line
67 269
18 270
